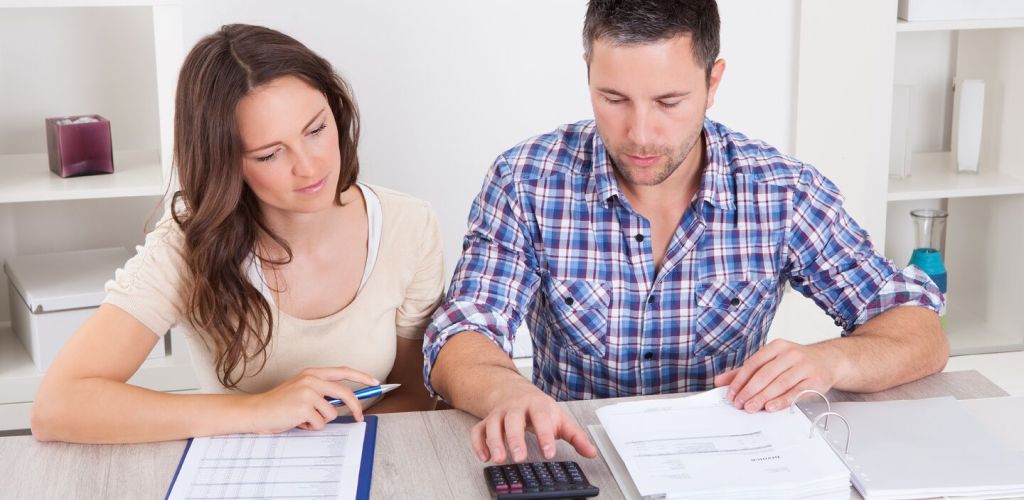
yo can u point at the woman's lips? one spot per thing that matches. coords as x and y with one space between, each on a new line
312 188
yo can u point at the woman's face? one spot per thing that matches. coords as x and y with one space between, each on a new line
291 159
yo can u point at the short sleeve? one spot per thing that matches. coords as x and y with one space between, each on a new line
426 289
150 285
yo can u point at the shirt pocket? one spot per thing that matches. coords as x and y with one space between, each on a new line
727 313
579 309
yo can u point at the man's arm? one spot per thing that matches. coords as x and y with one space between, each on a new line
466 349
898 346
891 329
478 377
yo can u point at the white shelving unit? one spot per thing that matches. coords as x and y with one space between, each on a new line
851 54
116 58
984 231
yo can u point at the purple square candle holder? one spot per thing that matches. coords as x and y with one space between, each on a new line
79 146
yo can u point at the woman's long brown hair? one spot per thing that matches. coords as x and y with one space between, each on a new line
217 212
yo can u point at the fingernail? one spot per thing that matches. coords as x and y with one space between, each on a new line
549 451
494 453
480 455
730 394
516 452
376 382
772 406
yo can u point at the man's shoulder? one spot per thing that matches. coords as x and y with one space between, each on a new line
759 161
561 151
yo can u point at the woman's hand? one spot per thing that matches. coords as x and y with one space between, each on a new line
300 401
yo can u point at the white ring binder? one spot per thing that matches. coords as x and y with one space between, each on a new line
828 406
849 430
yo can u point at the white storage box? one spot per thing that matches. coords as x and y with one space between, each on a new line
958 10
53 294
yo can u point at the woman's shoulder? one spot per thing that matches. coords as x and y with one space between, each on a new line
401 207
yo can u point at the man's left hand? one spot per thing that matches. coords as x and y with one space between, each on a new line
773 376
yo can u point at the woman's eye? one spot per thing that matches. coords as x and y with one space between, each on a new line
319 129
267 158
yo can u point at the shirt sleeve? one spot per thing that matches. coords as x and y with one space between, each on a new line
149 286
832 261
496 278
424 292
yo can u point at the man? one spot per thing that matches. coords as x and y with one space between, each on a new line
647 250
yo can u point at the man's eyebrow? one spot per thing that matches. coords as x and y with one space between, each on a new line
275 143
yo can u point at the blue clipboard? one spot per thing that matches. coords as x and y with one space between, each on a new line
365 463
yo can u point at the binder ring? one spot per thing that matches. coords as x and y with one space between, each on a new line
828 406
849 430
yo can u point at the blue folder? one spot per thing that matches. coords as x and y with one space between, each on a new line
365 463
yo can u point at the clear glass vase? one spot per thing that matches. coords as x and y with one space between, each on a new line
930 244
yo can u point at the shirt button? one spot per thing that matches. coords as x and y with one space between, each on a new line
650 300
735 301
639 238
648 355
569 301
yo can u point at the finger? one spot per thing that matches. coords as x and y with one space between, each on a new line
760 379
751 365
543 425
337 373
515 422
340 391
789 397
574 435
493 437
327 410
477 438
726 378
782 384
315 420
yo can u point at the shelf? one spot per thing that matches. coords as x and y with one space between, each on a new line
84 3
28 178
933 175
19 377
969 334
964 24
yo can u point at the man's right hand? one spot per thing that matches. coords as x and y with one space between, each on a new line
521 407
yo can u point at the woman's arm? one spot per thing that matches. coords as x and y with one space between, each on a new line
84 396
408 371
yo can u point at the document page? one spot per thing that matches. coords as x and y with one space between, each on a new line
703 443
293 464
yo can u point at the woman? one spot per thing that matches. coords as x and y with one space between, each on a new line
294 281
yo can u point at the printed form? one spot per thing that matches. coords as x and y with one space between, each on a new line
704 444
292 464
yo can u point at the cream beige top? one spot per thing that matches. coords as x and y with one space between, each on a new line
397 299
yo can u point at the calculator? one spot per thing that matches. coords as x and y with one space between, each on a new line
539 480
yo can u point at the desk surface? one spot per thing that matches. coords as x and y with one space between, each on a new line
411 448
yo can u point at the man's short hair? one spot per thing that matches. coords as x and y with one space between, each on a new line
630 22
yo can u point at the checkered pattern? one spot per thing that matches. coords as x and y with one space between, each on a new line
552 240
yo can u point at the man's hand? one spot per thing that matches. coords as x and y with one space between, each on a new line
521 407
772 377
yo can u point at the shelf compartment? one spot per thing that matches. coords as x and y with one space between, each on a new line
28 178
969 334
19 377
903 26
933 175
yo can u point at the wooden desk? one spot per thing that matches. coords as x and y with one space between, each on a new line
419 455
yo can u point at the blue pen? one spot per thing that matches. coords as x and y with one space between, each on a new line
368 392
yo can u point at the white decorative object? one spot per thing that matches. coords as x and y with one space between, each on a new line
947 10
970 114
899 144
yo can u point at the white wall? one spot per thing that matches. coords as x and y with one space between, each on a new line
444 87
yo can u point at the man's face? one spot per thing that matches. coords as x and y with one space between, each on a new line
649 102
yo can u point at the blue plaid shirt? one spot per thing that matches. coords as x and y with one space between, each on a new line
552 238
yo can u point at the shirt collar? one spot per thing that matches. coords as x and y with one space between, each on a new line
716 186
